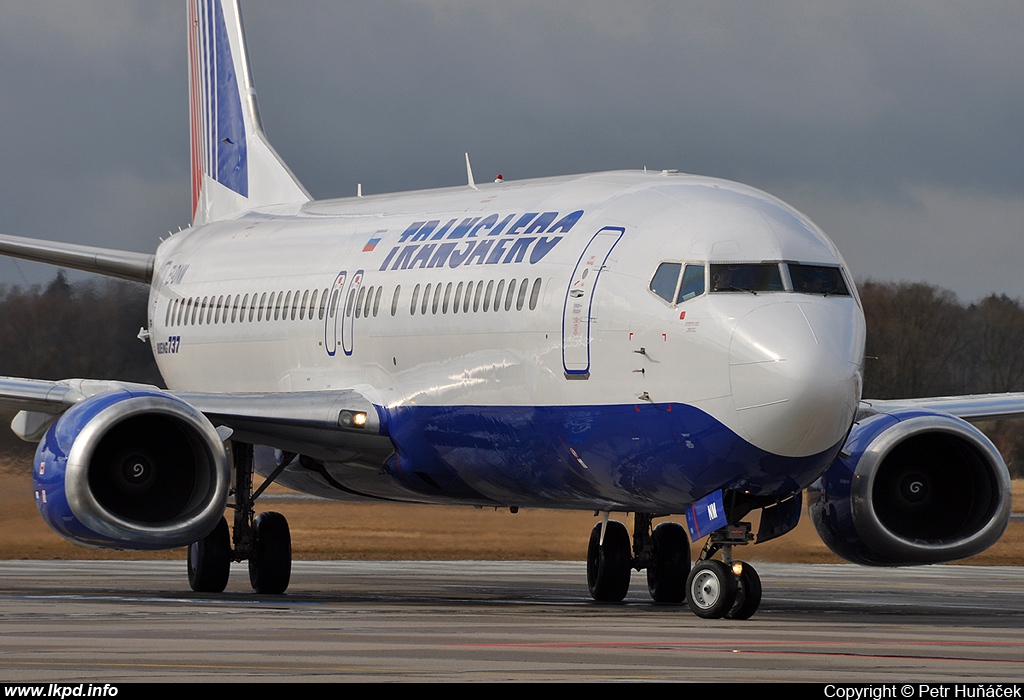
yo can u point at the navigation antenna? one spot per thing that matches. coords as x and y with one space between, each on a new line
469 174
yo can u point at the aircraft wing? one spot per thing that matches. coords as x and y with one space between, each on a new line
312 422
970 407
137 267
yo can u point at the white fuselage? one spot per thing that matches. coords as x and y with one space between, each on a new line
239 305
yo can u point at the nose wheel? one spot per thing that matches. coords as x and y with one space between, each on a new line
710 589
715 590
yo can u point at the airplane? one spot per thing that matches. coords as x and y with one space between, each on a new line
646 342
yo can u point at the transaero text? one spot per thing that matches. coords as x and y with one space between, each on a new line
480 240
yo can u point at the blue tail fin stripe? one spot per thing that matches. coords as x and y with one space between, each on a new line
226 159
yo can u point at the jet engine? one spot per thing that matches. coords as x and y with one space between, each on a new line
132 470
912 487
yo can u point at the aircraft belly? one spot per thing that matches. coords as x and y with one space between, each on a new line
648 457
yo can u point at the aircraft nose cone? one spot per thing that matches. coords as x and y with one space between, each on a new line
794 372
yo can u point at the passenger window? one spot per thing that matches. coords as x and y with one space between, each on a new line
335 295
437 298
665 280
487 295
359 301
535 294
499 292
458 299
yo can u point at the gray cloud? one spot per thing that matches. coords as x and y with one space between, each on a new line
897 127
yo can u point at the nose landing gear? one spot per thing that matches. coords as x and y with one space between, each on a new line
727 588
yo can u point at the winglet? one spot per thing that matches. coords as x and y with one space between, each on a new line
234 167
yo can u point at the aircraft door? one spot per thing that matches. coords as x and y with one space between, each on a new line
348 315
335 302
579 299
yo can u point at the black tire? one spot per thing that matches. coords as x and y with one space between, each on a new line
670 565
748 595
209 561
609 565
710 589
270 566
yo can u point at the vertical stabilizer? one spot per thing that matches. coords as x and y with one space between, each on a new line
234 168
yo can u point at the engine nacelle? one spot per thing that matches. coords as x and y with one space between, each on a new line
912 487
132 470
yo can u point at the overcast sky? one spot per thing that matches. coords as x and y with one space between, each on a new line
897 127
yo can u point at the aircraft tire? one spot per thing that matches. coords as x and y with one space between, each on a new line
209 561
710 589
670 565
270 565
609 565
748 595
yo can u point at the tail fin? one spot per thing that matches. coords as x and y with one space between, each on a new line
234 167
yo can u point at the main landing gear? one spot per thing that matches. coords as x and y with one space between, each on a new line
712 588
264 540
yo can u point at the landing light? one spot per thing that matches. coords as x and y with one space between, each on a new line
350 419
737 568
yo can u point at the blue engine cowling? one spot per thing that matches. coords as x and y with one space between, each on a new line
912 487
132 470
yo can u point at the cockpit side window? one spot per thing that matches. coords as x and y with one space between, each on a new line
665 280
817 279
692 284
753 277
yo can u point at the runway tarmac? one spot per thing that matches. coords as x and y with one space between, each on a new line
116 622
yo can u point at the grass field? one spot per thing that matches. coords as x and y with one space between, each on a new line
329 530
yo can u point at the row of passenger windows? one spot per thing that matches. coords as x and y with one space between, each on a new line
676 282
475 296
315 304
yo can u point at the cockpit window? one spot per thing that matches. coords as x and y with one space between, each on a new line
675 282
817 279
754 277
692 284
665 280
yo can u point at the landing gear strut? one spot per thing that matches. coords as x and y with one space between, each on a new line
264 540
727 588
